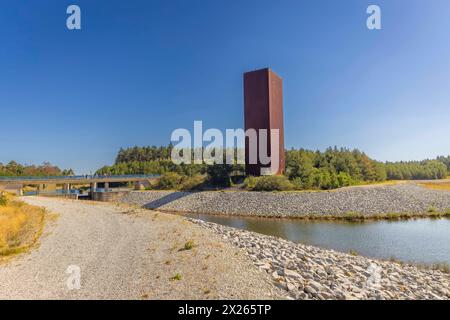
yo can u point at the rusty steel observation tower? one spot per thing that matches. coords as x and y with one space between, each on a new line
263 109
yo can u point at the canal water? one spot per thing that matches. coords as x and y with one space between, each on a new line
418 241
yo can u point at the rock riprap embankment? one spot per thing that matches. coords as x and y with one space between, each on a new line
370 200
307 272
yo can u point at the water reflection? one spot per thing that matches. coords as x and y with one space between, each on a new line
421 241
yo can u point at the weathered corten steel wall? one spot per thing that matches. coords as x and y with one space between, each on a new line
263 109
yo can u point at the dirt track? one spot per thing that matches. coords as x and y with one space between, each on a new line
127 253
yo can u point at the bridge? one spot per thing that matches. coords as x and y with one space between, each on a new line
43 183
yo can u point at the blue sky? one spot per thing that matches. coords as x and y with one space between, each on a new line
140 69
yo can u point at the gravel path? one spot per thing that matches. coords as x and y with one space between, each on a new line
128 253
307 272
367 200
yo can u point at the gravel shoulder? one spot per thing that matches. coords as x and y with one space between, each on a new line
366 200
130 253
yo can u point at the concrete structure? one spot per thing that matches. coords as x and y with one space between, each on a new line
108 196
263 109
48 184
12 188
66 188
138 185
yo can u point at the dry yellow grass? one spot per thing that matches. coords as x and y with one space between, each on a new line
20 225
436 186
382 183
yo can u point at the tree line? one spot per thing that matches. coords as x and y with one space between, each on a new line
144 154
342 167
305 169
14 169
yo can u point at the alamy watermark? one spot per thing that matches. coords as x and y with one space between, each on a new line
374 280
190 149
374 20
74 280
73 21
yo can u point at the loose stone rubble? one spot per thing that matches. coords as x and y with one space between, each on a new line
367 200
307 272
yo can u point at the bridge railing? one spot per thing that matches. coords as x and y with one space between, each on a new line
81 178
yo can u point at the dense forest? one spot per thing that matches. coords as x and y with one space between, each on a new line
305 169
14 169
342 167
446 161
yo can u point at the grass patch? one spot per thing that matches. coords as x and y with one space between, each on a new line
436 185
176 277
437 266
431 213
3 200
175 181
20 225
357 217
443 266
353 253
188 246
352 216
268 183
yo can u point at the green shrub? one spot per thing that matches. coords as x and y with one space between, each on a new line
176 277
298 184
175 181
322 178
3 200
219 175
344 179
250 182
191 183
273 183
170 181
188 245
